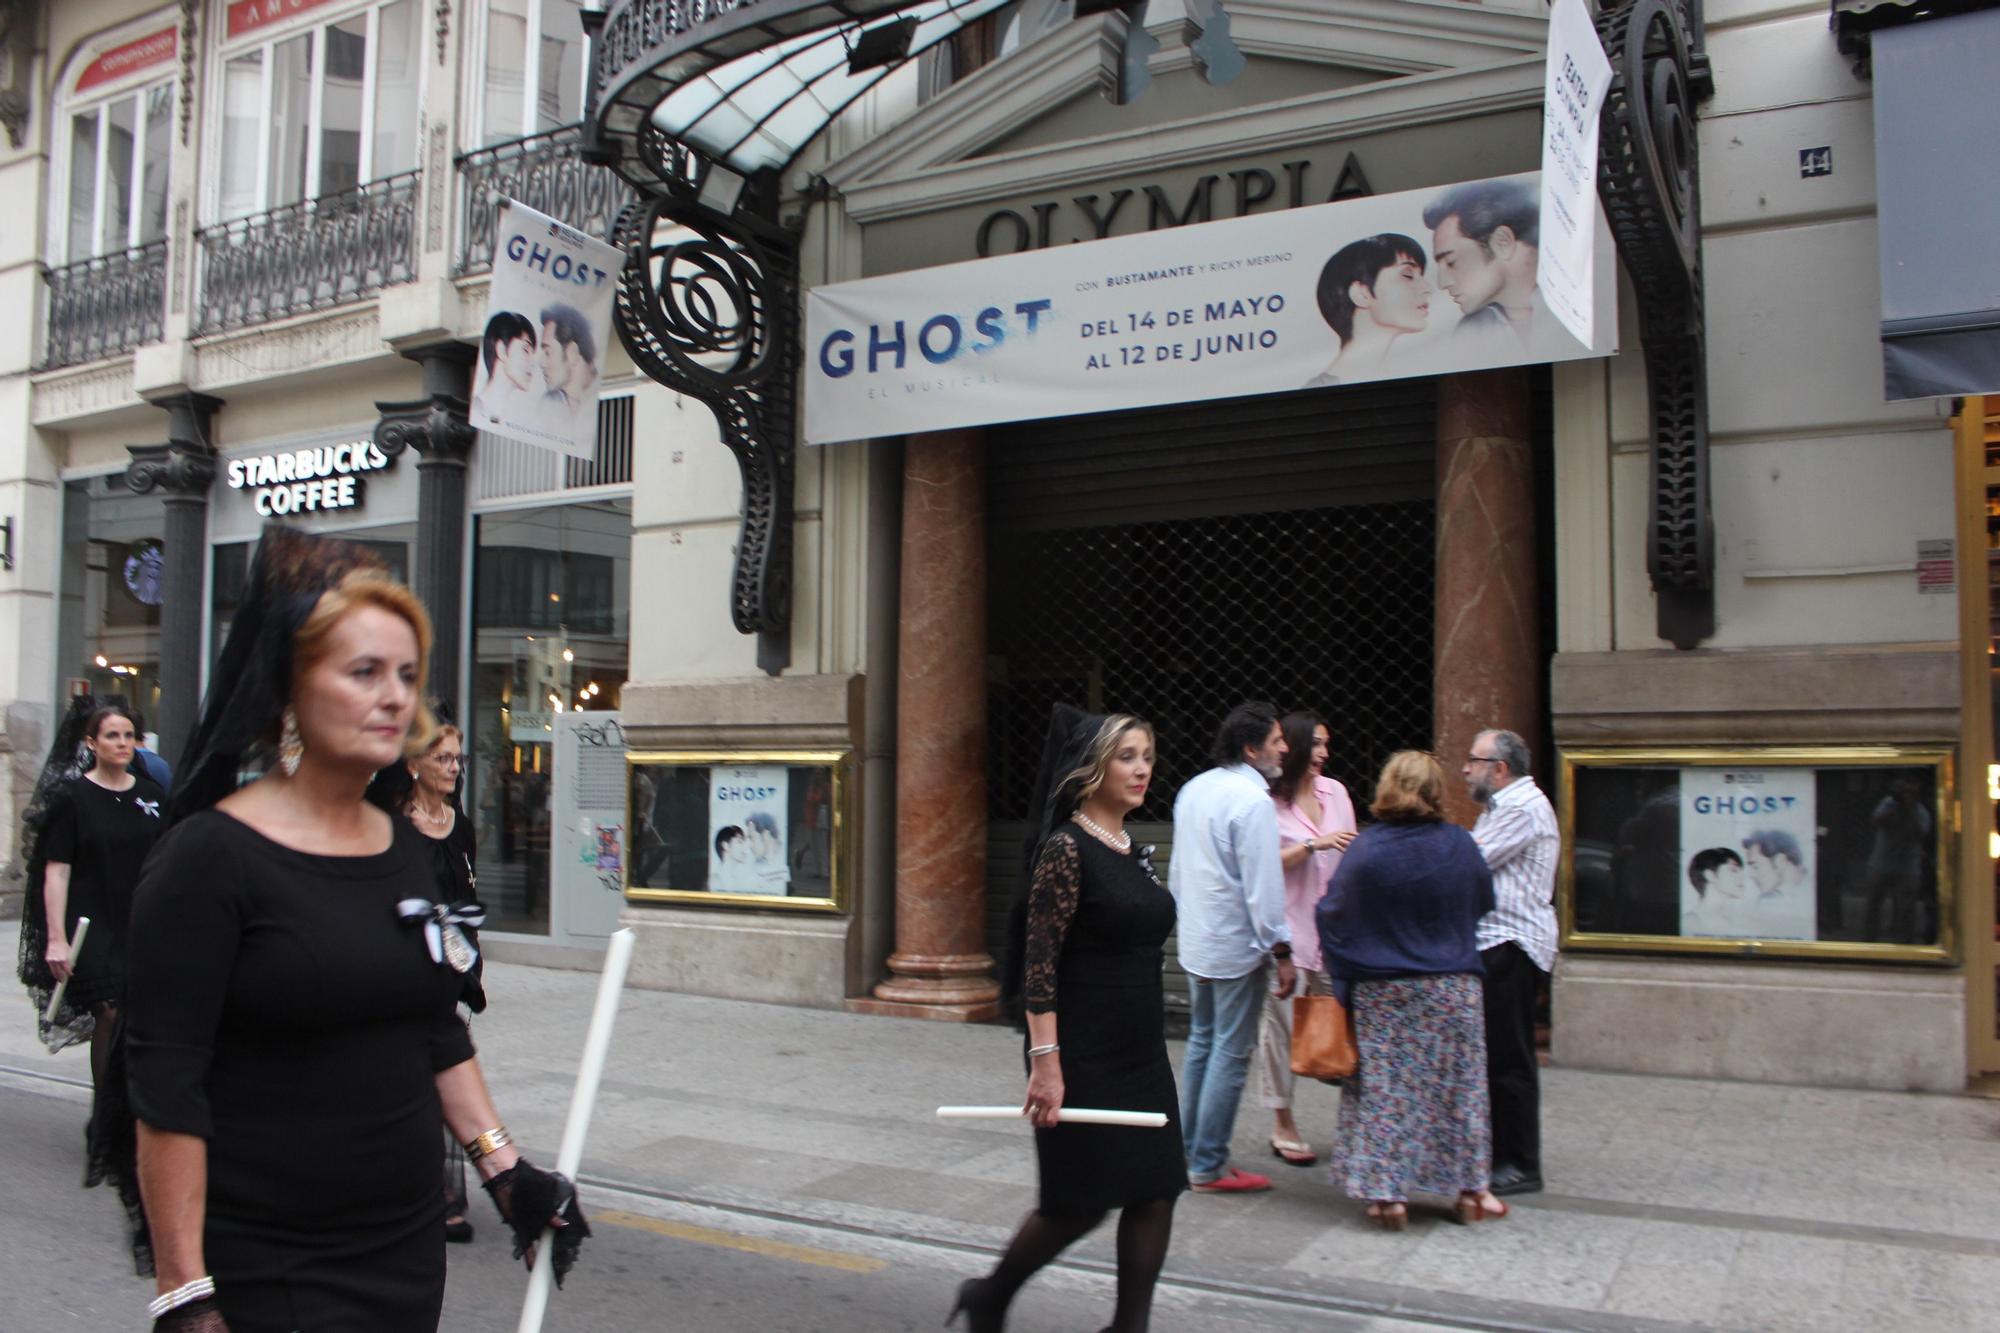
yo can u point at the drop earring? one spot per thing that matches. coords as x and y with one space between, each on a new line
291 747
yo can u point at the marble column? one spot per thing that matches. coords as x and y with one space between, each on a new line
940 967
436 427
1487 655
181 470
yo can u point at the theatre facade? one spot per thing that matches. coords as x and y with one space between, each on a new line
1732 593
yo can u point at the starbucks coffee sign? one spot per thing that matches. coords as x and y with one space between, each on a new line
300 481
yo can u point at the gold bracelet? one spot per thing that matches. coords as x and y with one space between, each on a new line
492 1141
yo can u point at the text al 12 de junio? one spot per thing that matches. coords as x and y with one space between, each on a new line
1189 350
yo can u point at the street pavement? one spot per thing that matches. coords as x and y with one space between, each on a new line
755 1166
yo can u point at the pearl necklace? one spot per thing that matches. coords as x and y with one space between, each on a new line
438 820
1121 840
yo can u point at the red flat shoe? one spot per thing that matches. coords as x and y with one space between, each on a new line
1234 1181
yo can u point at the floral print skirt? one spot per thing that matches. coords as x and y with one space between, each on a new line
1415 1116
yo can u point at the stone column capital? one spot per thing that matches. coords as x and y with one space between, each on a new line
437 426
184 467
176 470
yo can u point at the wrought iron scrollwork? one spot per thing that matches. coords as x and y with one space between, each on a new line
708 306
106 305
308 256
543 171
1649 181
709 311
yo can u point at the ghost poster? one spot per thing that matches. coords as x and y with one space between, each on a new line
747 829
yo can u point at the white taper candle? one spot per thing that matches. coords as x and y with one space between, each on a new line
590 1072
1068 1115
75 948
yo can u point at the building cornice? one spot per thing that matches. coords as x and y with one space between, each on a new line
1392 38
1344 113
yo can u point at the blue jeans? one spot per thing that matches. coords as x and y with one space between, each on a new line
1222 1036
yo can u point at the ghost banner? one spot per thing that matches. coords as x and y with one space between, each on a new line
1419 283
548 324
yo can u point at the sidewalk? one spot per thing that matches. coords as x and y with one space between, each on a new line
1673 1202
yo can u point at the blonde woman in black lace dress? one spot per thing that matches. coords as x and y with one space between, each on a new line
1087 969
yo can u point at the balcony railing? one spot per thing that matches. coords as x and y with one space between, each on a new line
308 256
106 306
543 172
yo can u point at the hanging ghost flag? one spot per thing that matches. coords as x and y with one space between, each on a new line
548 322
1578 77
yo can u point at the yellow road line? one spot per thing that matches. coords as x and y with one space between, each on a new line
729 1240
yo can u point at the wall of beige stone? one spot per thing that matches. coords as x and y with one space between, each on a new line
1821 493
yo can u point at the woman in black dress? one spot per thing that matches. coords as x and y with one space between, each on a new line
424 790
1086 965
89 849
294 1044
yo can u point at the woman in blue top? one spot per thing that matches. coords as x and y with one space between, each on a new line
1396 932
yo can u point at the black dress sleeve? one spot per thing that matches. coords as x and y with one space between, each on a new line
58 841
451 1040
1052 899
187 923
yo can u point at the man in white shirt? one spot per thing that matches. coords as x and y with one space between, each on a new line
1517 941
1230 892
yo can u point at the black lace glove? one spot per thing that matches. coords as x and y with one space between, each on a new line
530 1199
202 1316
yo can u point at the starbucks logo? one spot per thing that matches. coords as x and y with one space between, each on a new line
144 564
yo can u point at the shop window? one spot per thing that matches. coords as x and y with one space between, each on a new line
551 633
532 78
108 610
229 577
118 151
316 110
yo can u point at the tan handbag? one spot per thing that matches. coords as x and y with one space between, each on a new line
1322 1039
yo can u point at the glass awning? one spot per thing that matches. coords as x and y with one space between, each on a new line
750 83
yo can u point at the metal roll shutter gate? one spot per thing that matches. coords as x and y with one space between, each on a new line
1174 562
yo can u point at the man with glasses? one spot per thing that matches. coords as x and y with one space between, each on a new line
1517 941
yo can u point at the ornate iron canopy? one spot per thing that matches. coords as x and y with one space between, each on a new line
701 105
745 83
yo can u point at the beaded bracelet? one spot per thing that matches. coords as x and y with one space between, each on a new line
185 1294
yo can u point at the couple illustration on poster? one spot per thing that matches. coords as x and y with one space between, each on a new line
750 857
1375 293
539 373
1762 891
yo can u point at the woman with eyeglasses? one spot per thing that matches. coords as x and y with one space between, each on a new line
425 791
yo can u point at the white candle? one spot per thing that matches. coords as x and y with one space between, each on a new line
75 948
590 1072
1068 1115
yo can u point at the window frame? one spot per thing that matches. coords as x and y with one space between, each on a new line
265 41
527 122
97 103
